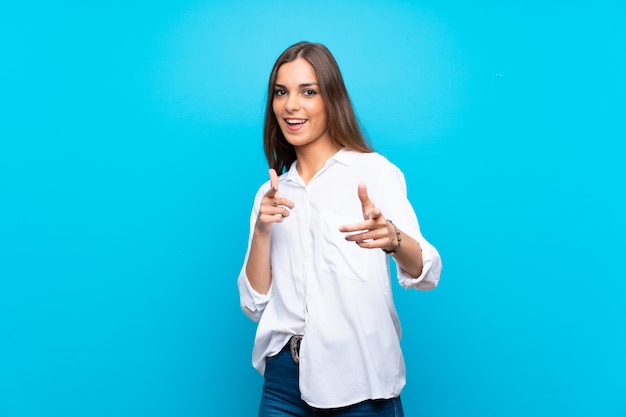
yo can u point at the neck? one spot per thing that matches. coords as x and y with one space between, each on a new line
312 160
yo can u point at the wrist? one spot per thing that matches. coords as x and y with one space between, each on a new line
398 238
262 230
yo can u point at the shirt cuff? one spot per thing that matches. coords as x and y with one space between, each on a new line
431 270
252 302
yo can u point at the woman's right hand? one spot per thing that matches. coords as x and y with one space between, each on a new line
273 208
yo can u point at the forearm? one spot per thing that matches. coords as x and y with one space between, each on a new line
409 255
258 268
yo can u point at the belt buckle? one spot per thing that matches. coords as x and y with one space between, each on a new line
294 347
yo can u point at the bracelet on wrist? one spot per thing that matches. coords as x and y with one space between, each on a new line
397 248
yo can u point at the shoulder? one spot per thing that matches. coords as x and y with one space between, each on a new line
375 162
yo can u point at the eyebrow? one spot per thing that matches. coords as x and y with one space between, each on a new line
300 86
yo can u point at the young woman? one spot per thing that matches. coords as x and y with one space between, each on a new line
316 273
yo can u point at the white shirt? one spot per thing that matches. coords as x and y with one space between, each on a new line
335 293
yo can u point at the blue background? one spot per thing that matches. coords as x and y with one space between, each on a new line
130 150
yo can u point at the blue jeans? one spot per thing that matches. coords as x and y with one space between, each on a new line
281 396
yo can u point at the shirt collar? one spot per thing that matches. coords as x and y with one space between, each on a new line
343 156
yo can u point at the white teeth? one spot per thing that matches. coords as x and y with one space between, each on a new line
295 121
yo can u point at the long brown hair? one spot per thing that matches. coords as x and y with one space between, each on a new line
343 127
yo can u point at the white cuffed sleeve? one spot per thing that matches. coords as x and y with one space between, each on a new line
395 206
252 302
431 269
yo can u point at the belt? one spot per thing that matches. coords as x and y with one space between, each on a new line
293 345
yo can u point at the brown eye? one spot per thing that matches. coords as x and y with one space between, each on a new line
279 92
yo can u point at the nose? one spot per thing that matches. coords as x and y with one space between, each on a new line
293 103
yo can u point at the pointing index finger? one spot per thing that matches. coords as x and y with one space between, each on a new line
366 203
273 182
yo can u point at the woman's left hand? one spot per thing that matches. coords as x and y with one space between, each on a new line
374 232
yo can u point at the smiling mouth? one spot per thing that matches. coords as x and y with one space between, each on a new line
295 122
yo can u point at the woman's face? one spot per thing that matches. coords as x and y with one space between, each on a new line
298 105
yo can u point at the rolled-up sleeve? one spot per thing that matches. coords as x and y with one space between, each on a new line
252 302
396 206
431 269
